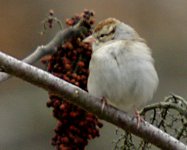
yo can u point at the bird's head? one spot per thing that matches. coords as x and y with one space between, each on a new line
110 29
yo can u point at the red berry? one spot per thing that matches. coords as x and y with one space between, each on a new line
81 64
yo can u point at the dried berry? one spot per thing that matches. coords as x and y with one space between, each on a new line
70 62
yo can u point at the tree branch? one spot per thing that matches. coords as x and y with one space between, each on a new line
92 104
49 48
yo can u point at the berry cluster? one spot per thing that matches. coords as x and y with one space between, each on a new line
75 126
86 15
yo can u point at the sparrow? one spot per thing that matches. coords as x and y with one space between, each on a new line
121 68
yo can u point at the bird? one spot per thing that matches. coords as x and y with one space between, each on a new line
121 69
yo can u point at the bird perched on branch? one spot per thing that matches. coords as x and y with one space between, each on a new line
121 67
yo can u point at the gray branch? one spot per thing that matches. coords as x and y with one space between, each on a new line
49 48
92 104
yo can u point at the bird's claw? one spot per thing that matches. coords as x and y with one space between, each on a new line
104 103
138 118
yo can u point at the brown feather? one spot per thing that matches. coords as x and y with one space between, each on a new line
105 22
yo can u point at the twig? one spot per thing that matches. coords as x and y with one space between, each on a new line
166 105
49 48
92 104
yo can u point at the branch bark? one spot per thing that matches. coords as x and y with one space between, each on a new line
49 48
92 104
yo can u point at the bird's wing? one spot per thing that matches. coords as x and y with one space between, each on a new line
105 78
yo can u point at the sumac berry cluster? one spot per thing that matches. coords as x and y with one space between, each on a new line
75 126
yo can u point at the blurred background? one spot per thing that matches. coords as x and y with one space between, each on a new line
26 122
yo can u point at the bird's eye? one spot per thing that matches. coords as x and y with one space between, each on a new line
102 35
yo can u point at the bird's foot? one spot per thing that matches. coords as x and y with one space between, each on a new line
138 118
104 103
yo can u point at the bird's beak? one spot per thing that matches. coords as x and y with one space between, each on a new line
90 39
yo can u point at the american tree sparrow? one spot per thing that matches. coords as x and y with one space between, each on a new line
121 67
